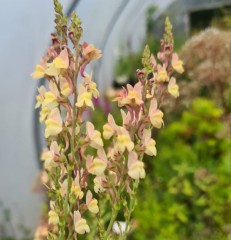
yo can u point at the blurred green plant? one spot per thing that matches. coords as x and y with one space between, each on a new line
188 192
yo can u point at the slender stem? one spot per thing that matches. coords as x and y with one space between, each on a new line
131 209
115 210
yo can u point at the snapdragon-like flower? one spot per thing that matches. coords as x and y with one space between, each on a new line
94 136
40 97
177 64
53 215
173 88
39 71
51 97
65 87
135 166
84 98
90 85
109 128
98 183
131 96
162 75
53 68
97 165
155 115
51 156
148 143
123 141
92 203
80 223
76 189
90 53
53 123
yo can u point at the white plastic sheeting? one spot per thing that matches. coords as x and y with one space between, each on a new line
25 33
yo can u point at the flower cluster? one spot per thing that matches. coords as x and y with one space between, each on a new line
78 169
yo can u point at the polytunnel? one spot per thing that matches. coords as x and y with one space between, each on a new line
25 34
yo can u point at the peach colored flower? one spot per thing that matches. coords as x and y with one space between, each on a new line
109 128
177 64
65 87
53 123
62 61
84 98
94 136
132 96
53 217
39 72
149 143
92 203
50 97
162 75
173 88
155 115
123 141
97 165
76 189
80 223
135 166
40 97
90 53
50 156
90 85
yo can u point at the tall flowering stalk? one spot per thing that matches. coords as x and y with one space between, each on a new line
85 179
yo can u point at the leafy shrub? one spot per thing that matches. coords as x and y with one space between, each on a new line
188 192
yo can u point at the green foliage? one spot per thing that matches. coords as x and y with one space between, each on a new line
187 194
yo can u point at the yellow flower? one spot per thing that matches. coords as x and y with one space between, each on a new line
157 119
62 61
162 75
40 96
135 167
53 123
109 128
155 115
77 191
173 88
98 181
94 136
92 203
98 164
51 70
107 131
150 148
39 72
149 143
177 64
44 113
124 142
65 87
53 217
84 98
80 223
90 85
97 167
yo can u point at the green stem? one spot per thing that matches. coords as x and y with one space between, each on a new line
115 210
130 210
